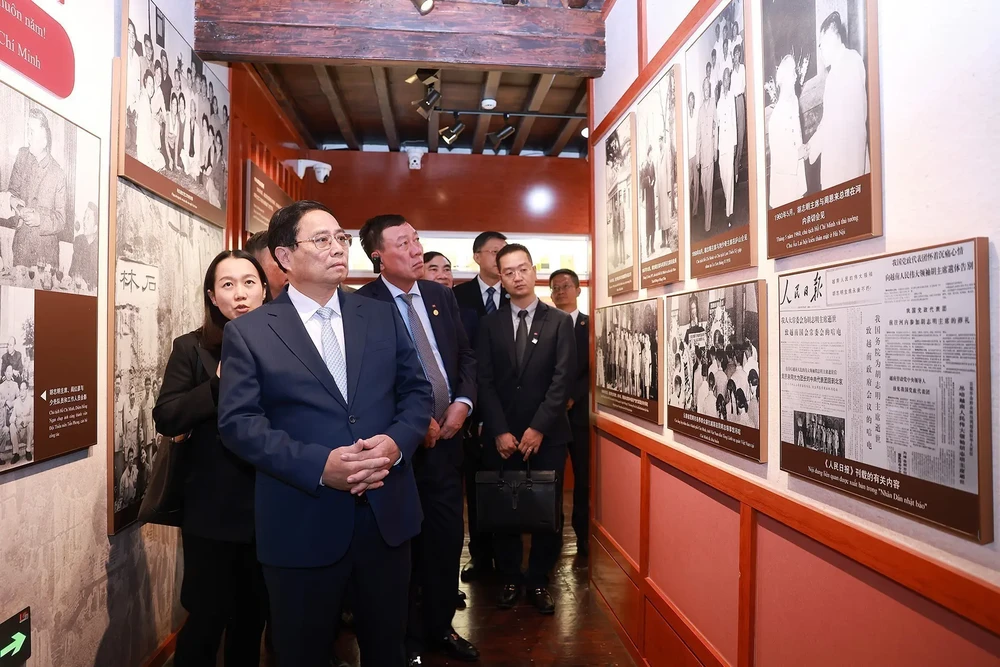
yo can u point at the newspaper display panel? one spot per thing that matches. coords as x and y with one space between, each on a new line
885 382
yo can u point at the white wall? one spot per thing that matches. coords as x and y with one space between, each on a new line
621 30
95 600
940 73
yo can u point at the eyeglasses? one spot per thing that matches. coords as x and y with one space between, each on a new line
519 271
324 241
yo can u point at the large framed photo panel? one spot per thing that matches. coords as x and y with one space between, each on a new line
629 352
175 112
619 174
720 137
821 124
716 367
162 253
660 198
885 382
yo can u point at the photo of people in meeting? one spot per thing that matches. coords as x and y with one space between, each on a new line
17 362
627 357
176 106
820 432
49 194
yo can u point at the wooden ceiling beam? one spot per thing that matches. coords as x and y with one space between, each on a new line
381 80
332 94
571 125
459 34
284 100
490 87
542 84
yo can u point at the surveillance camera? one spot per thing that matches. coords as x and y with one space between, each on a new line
415 155
322 172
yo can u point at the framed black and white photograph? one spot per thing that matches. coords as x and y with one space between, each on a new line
49 198
721 177
821 122
152 307
17 365
715 367
176 115
628 354
660 199
619 174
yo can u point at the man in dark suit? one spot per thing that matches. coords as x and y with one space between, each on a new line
336 499
478 298
527 359
431 316
565 286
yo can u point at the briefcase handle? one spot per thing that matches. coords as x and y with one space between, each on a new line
527 474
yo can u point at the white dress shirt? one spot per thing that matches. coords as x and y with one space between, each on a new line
482 291
425 321
575 314
514 310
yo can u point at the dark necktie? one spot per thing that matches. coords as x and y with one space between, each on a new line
439 386
490 306
521 339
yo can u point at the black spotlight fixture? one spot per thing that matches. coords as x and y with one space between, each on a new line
425 106
496 138
510 2
427 77
576 4
424 6
449 135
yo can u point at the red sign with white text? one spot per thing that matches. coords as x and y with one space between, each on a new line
34 44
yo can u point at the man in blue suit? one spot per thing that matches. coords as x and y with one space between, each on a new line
432 317
336 499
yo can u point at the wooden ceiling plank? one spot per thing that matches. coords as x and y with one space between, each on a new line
284 100
490 87
381 80
571 125
332 94
542 84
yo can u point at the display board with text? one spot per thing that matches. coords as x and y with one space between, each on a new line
629 352
885 376
263 198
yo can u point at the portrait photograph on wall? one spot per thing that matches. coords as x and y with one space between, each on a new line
821 122
660 199
721 191
49 197
619 173
162 255
176 115
629 350
885 383
716 369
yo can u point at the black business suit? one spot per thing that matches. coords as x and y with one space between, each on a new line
579 419
473 309
438 549
223 588
513 399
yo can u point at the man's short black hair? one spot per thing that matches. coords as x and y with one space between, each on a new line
257 244
511 248
485 238
284 226
565 272
834 21
371 231
432 254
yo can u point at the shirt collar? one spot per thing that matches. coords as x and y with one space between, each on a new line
396 292
531 308
575 315
306 307
483 286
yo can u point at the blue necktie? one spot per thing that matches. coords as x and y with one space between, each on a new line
491 307
332 354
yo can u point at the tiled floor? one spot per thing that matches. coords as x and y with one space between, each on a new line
578 635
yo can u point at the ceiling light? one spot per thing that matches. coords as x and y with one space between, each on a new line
488 103
424 6
425 107
449 135
427 77
540 200
496 138
585 132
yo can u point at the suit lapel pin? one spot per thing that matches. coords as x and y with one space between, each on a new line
434 310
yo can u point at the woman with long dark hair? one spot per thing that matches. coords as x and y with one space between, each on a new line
223 588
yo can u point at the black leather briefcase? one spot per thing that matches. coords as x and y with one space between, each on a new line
517 501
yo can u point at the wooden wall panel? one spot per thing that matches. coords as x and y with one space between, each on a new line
663 648
455 192
618 494
622 596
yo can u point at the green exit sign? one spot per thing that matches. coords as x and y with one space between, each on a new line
15 639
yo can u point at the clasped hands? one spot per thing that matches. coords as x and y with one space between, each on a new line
451 424
361 466
530 442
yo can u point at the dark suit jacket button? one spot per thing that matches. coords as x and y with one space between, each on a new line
518 386
352 419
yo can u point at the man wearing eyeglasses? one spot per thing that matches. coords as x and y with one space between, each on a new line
336 498
526 370
565 286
